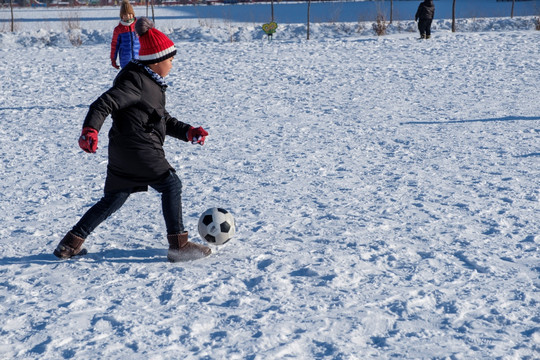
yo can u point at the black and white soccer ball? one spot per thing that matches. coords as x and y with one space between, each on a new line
217 226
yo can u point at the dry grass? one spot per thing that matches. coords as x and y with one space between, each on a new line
6 26
380 25
72 25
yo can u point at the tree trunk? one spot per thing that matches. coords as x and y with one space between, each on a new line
308 9
12 19
512 12
272 9
454 16
391 11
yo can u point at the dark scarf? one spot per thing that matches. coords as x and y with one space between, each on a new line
157 78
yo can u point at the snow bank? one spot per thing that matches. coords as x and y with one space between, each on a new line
219 31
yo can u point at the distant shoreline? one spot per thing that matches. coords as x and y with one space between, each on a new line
283 12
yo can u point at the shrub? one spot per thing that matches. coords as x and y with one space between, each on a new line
380 25
72 26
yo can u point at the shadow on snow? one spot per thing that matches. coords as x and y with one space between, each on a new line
113 255
506 118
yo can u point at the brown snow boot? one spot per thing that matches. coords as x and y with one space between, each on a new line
70 246
180 249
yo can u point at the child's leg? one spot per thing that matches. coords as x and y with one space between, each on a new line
104 208
422 27
428 27
171 202
180 249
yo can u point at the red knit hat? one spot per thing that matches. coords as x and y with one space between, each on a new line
155 45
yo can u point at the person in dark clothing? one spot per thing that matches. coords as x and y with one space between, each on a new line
140 122
424 16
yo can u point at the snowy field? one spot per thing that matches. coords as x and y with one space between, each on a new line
386 192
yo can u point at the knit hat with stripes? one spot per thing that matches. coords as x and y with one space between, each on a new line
155 45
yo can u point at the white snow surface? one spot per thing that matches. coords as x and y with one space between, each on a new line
386 192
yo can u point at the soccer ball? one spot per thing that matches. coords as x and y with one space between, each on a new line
216 226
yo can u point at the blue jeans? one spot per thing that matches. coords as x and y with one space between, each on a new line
171 204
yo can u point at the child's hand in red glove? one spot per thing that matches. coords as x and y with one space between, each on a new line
197 135
89 140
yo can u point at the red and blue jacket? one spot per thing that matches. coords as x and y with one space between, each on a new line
125 43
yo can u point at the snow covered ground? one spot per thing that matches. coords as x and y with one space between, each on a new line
386 192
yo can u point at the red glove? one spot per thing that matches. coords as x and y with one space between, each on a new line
89 140
197 135
113 63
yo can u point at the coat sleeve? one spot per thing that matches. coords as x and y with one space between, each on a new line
176 128
115 44
125 92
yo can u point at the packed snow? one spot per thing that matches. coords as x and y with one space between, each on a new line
386 192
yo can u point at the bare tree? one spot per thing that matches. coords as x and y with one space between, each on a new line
152 7
272 9
308 9
12 19
391 11
512 12
454 16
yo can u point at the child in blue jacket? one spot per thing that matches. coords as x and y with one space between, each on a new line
125 42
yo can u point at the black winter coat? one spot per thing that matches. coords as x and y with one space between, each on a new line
136 103
426 11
